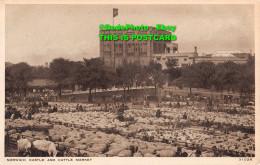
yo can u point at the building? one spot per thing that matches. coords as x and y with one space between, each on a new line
186 59
224 56
115 53
42 84
171 52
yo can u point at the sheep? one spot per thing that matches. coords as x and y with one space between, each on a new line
137 154
116 146
149 155
166 153
147 151
98 148
45 146
55 138
125 153
14 136
81 146
113 152
73 152
24 146
12 131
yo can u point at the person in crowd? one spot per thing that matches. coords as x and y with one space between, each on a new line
158 113
12 116
77 107
185 115
44 103
188 121
198 153
170 105
179 152
237 154
235 110
187 103
207 124
110 108
145 104
55 109
80 108
39 104
29 115
178 105
184 154
106 108
34 105
148 104
50 110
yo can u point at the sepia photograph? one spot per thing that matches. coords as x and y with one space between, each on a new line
129 80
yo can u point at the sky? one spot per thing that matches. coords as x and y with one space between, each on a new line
37 34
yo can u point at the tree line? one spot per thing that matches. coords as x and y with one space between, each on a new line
92 74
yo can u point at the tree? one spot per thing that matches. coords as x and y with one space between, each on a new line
40 72
96 75
142 76
9 80
107 78
173 74
246 78
127 74
226 76
59 72
78 73
189 77
199 75
156 75
205 72
20 74
172 70
92 74
75 74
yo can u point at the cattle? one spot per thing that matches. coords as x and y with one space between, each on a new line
24 147
45 146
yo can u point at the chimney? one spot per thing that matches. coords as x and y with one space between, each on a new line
195 49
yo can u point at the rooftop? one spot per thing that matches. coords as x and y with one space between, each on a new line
225 53
42 83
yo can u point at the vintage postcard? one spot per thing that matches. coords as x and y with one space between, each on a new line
97 82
